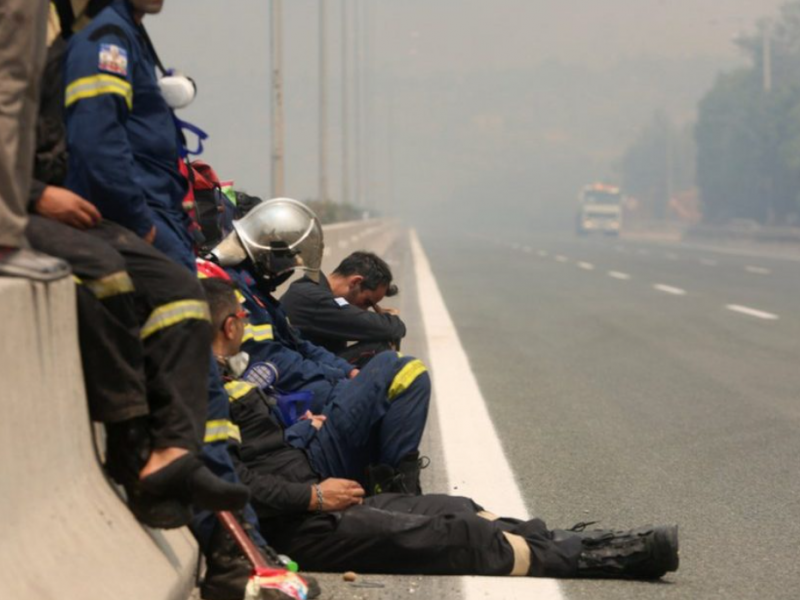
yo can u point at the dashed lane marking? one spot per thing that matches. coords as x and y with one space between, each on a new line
668 289
480 471
758 270
753 312
586 266
561 258
619 275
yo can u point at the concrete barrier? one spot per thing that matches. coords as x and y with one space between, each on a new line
66 534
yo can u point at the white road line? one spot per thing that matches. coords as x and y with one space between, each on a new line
758 270
668 289
619 275
543 253
753 312
586 266
709 262
479 470
561 258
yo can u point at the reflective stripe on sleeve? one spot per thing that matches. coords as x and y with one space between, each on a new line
97 85
238 389
174 313
405 377
112 285
257 333
221 431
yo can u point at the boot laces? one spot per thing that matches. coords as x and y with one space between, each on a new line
579 527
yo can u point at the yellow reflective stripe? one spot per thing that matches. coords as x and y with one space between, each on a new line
257 333
77 280
96 85
112 285
221 431
405 377
173 313
240 297
238 389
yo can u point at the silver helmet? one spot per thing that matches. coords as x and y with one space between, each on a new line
278 236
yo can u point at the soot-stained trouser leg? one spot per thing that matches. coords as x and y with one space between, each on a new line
378 417
109 334
427 535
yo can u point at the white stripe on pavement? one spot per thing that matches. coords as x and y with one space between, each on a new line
586 266
668 289
479 470
619 275
753 312
757 270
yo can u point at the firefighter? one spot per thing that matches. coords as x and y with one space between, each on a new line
142 319
335 311
266 246
322 517
124 146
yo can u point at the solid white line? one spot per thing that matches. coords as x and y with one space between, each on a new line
619 275
668 289
757 270
586 266
753 312
561 258
476 463
709 262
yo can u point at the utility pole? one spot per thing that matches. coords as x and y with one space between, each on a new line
323 106
767 57
357 99
277 100
345 109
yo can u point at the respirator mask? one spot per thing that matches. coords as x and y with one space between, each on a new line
178 90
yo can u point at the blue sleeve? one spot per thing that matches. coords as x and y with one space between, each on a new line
98 100
326 358
300 434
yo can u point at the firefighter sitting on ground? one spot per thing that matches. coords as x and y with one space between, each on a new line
323 519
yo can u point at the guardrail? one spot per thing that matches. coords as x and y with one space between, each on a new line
67 534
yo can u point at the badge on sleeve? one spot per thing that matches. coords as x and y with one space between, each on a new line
341 302
113 59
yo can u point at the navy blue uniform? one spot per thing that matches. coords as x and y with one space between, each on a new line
124 151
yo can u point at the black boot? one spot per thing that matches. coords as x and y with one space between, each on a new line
382 479
228 570
644 553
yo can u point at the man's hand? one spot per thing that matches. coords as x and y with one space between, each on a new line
385 311
317 421
151 235
353 373
337 494
60 204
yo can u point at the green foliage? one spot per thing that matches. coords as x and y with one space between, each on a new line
748 137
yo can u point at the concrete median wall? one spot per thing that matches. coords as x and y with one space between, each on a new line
67 535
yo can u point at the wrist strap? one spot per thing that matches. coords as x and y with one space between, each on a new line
320 498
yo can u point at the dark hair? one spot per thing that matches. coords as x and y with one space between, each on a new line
371 267
222 300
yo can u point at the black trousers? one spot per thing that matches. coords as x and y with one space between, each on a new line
143 328
425 535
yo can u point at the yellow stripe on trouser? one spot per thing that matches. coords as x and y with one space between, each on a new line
97 85
221 431
238 389
112 285
258 333
174 313
405 377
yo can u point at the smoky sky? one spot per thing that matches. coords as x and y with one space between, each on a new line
513 99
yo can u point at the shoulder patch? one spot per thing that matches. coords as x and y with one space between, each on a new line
113 59
341 301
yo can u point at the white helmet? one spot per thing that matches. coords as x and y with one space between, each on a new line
278 236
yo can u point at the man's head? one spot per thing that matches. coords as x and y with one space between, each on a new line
363 279
147 7
228 317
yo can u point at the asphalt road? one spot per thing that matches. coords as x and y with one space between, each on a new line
635 382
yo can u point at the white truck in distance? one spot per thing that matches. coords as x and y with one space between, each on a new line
599 209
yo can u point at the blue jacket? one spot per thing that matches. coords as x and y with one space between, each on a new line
122 138
270 337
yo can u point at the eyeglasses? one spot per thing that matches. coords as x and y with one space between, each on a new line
240 314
